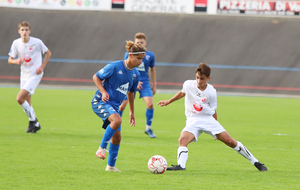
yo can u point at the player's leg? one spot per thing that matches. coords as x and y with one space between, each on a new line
241 149
123 106
182 152
113 151
115 122
149 116
24 99
22 96
147 95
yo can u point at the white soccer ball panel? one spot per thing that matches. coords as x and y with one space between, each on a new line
157 164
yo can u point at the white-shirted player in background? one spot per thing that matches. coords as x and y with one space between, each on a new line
27 52
201 116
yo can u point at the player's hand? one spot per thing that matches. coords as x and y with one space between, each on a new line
140 87
39 70
163 103
131 120
20 61
105 97
153 88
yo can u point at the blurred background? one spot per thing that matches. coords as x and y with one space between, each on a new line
251 46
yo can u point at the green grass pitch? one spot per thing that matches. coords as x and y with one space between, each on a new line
62 154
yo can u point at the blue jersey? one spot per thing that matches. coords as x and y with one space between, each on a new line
118 81
148 61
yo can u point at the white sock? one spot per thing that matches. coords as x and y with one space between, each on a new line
28 110
148 127
242 150
182 155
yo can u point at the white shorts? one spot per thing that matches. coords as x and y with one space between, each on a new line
205 123
31 83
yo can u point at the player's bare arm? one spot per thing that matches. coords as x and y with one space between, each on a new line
130 96
13 61
46 60
98 83
215 115
177 96
153 78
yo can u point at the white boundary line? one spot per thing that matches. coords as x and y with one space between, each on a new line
161 91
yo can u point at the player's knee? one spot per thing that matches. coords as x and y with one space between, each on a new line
231 142
182 141
20 99
122 107
150 105
115 123
119 121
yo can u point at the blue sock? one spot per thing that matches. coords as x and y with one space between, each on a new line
149 116
109 133
112 154
121 113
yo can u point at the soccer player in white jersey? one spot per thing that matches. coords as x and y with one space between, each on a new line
114 82
201 116
145 90
27 51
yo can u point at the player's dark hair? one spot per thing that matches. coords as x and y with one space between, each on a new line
203 69
140 35
132 47
22 24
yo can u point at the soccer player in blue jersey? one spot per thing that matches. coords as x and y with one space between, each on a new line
114 82
146 92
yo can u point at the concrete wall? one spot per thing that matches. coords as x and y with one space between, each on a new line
216 40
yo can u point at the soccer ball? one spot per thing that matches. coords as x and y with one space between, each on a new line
157 164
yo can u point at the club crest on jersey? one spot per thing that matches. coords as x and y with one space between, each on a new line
123 88
120 72
197 107
147 57
133 76
101 71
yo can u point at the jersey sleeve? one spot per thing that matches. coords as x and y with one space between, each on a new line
152 60
135 81
126 55
13 50
42 46
105 72
184 87
213 100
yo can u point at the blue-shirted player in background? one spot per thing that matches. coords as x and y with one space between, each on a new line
114 82
146 92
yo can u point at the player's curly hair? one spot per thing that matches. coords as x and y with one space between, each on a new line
132 47
203 69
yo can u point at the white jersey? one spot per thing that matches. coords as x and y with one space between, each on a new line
197 102
31 53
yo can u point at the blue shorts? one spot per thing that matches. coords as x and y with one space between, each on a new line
145 92
104 110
